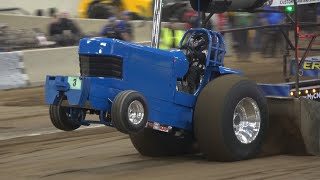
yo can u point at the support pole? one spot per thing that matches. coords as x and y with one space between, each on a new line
296 38
287 53
156 26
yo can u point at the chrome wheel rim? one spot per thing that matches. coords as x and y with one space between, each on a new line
135 112
246 120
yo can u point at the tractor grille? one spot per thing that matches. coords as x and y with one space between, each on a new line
101 66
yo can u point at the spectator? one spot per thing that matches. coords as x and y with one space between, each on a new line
222 22
116 29
61 24
189 13
241 46
109 29
272 37
231 22
39 12
171 35
64 31
125 25
257 41
54 27
122 32
68 25
52 12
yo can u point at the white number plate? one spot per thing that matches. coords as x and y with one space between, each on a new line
75 83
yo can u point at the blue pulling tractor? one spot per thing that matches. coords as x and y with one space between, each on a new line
181 92
165 100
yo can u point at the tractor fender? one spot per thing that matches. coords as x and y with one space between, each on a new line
224 71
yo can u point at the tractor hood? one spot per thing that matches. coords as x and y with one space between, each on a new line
135 53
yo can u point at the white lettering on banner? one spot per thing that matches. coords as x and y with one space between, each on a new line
12 71
313 96
290 2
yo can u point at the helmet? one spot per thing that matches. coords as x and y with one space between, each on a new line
199 42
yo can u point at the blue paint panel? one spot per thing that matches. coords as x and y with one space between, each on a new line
138 53
181 64
153 81
102 90
56 84
184 99
275 89
96 46
171 114
51 89
134 52
224 70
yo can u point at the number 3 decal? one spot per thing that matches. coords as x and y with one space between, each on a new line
75 83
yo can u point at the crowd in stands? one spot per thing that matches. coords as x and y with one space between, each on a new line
64 31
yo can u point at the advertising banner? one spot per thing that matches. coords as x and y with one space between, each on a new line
290 2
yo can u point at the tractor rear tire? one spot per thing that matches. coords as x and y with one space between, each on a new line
221 119
155 143
59 118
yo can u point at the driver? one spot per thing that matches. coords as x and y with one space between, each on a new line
196 54
199 47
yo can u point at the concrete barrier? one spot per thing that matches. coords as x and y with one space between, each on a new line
12 73
57 61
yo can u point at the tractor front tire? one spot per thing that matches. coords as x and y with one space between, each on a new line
60 118
154 143
129 112
230 119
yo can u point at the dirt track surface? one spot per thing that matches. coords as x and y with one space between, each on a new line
106 155
30 148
